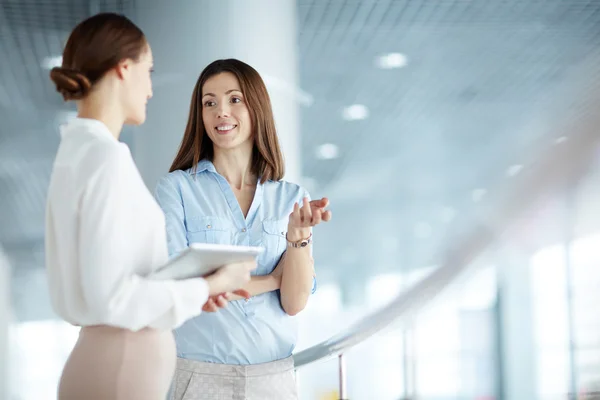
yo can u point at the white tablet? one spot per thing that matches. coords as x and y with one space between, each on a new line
201 259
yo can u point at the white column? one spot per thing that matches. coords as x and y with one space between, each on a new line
518 347
4 323
185 37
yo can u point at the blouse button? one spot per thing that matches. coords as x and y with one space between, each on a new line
244 230
208 226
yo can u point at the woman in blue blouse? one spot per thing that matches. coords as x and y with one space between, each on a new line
225 187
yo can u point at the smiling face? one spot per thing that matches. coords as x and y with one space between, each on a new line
224 112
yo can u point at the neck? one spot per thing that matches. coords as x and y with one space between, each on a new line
235 166
104 109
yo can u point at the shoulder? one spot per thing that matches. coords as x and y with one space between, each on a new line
173 179
90 142
102 157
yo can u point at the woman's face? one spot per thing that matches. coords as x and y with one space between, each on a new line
225 113
138 87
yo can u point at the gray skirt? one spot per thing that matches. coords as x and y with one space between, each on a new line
196 380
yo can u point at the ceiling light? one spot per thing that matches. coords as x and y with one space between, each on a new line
356 112
392 60
478 194
327 151
560 140
51 62
272 82
514 170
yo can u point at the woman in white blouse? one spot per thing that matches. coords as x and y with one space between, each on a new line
105 232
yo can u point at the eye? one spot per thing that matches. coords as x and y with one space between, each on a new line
209 103
236 100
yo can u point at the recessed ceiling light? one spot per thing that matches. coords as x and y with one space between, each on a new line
303 97
327 151
355 112
514 170
51 62
560 140
392 60
478 194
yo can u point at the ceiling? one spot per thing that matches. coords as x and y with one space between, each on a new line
483 82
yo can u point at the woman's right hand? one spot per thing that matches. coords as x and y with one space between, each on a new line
230 278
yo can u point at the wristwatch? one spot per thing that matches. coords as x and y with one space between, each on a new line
299 244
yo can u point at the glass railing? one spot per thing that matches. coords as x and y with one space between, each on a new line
553 174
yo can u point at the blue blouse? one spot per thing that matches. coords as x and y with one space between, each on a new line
200 207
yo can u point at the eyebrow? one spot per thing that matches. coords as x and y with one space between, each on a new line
227 92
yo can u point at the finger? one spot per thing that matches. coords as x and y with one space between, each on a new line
210 306
221 302
321 203
326 216
242 293
306 211
227 296
295 215
316 219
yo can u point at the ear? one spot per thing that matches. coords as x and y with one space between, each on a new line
123 68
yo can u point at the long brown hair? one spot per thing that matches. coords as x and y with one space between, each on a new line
267 160
95 46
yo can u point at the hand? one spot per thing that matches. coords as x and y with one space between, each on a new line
230 278
221 300
302 219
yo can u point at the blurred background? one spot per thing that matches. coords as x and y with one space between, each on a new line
415 117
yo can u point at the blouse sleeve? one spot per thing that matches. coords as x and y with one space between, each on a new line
112 291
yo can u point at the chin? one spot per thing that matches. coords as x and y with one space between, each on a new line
136 120
227 144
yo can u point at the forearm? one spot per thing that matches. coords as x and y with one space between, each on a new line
297 279
259 285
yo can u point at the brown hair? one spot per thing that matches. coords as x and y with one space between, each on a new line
94 47
267 160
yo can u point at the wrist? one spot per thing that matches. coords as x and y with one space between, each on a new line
298 234
214 284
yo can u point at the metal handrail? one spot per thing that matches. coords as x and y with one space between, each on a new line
560 163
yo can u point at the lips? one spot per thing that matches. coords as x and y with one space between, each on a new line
224 129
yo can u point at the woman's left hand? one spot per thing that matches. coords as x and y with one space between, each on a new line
302 219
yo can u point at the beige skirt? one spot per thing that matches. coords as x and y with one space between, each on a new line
109 363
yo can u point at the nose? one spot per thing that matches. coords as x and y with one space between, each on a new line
223 110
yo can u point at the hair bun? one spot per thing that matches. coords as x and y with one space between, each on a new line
72 84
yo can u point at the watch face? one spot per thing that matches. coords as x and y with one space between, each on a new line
304 244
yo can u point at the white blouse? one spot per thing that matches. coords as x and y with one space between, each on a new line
104 234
